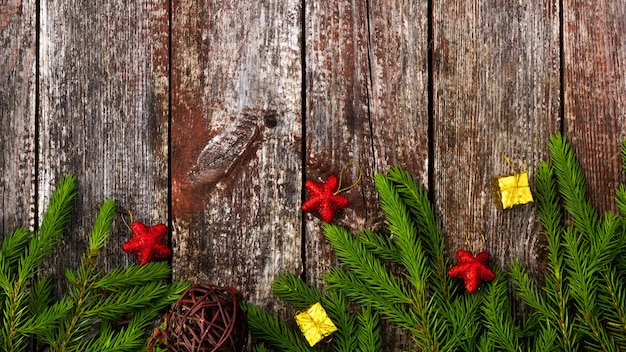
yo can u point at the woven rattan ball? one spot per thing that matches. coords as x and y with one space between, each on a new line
207 318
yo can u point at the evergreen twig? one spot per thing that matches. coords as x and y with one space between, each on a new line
55 219
369 331
272 331
91 317
501 331
582 301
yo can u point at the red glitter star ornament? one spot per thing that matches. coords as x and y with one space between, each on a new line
473 270
148 242
324 199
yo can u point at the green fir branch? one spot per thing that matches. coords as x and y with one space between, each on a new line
273 331
381 246
525 289
41 295
365 266
501 331
571 182
11 250
368 332
547 338
295 292
463 316
119 304
259 348
39 248
614 306
47 318
403 230
358 291
102 226
416 200
110 312
551 217
345 339
582 301
620 200
120 279
79 323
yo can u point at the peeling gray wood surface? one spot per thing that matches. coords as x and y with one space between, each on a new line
236 143
104 115
595 92
17 115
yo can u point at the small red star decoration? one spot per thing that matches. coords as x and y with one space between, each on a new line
323 198
148 242
473 270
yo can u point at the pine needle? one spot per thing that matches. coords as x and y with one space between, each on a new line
345 339
360 292
571 182
404 234
501 331
295 292
119 279
12 248
39 248
272 331
368 268
368 331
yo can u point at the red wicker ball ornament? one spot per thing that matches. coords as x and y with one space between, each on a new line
207 318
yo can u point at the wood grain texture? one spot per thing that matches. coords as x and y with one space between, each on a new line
337 117
594 58
496 92
17 115
398 91
104 114
236 143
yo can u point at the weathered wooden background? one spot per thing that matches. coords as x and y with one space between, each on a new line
209 115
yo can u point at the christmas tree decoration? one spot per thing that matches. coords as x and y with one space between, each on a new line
473 270
148 242
315 324
206 318
511 190
324 199
100 312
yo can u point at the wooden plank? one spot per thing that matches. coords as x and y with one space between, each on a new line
594 56
496 92
337 118
104 114
17 115
236 143
367 103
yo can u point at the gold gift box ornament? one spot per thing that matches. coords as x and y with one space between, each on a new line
511 190
315 324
